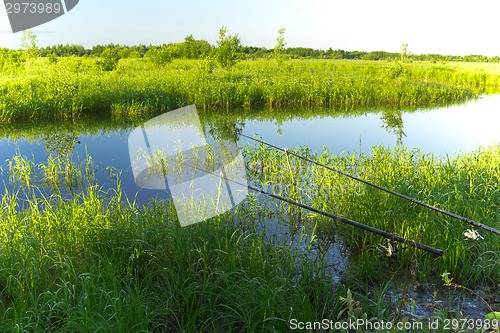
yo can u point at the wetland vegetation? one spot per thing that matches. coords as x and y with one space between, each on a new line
74 86
93 260
96 261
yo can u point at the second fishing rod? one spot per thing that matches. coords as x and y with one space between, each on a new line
413 200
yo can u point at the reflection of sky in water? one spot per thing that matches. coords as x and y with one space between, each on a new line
441 131
455 129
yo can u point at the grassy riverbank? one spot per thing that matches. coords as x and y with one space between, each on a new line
93 263
73 86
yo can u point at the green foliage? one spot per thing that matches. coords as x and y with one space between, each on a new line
92 263
11 60
228 51
75 85
466 185
405 54
160 56
53 58
495 315
29 43
195 49
109 60
280 46
191 48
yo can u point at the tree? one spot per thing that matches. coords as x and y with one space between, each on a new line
29 44
280 46
405 55
228 48
11 60
53 58
189 48
194 49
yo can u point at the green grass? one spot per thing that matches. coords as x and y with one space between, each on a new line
465 184
89 262
74 86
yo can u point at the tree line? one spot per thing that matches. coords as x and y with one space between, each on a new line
227 51
198 49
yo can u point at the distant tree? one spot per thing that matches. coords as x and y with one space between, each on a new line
53 58
134 53
280 46
11 60
189 48
124 52
228 48
142 49
405 54
29 44
194 49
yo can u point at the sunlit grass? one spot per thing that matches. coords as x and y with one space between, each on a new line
466 185
75 86
88 261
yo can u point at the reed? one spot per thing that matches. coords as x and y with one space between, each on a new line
466 184
72 87
89 261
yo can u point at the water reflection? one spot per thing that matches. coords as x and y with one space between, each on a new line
60 144
392 122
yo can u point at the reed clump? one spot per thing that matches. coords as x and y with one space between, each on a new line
72 87
466 184
86 260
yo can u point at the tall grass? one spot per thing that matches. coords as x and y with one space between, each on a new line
466 185
89 261
75 86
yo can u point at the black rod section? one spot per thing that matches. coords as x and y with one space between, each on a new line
351 222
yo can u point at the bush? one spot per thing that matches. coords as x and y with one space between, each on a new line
109 60
160 56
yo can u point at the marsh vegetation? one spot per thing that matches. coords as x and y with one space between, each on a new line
74 86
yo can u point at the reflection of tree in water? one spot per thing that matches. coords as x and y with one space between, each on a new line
393 122
60 144
279 123
60 173
226 129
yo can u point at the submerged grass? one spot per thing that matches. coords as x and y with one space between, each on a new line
465 184
75 86
90 262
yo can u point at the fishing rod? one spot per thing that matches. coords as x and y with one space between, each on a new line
413 200
382 233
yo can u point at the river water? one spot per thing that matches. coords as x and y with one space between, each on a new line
443 131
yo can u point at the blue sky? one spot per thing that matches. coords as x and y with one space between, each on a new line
428 26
